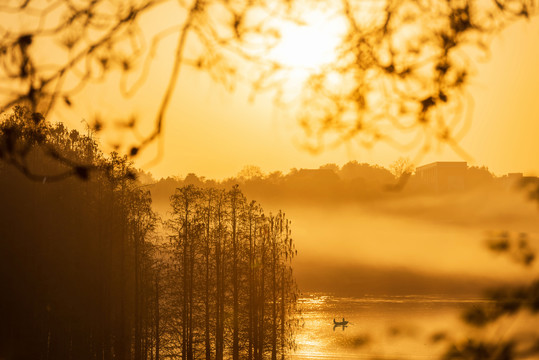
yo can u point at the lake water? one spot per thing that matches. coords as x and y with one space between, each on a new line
400 327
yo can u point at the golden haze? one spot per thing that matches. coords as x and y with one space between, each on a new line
212 132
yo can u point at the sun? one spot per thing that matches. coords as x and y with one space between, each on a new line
310 45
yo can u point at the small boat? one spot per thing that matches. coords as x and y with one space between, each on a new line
340 323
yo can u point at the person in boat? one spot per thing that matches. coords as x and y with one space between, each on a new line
343 322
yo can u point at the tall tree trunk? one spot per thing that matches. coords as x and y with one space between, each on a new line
273 230
261 320
235 323
250 280
191 298
157 317
138 339
122 323
207 283
185 267
283 312
284 286
220 291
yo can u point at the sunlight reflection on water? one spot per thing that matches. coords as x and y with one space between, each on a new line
381 327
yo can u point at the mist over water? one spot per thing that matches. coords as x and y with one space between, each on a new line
420 245
401 267
399 243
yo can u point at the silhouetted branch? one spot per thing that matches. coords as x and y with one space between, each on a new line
399 67
402 67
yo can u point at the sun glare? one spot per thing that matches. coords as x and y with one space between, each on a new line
310 45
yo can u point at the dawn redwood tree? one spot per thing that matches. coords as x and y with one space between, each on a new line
96 281
220 277
184 223
261 308
253 218
235 207
75 255
208 280
220 270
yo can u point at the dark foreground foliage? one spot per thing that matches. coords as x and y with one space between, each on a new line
76 257
512 309
84 273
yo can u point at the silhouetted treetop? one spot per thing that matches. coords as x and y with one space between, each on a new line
25 137
68 153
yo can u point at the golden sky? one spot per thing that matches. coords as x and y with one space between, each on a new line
214 133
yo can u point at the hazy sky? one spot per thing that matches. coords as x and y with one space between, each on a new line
214 133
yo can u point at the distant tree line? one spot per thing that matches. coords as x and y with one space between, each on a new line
353 181
86 272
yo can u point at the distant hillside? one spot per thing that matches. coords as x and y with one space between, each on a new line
329 184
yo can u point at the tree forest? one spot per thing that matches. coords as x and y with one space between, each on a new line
91 271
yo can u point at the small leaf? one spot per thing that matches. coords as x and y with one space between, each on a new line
97 125
130 174
442 67
25 40
442 96
10 136
37 117
498 245
427 103
82 172
477 316
437 337
390 69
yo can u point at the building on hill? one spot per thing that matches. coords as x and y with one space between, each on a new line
324 175
442 175
511 180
